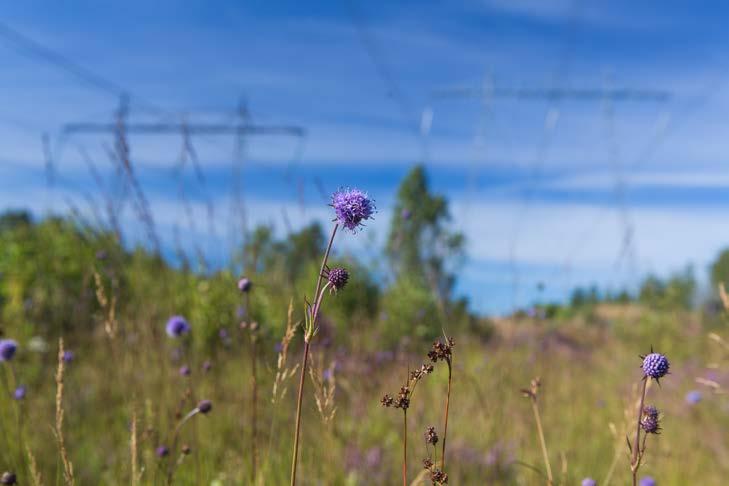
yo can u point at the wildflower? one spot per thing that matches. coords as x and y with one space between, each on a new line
206 366
589 482
177 326
650 422
162 451
405 214
337 278
655 365
204 406
647 481
244 285
431 437
185 370
8 478
8 347
693 397
351 207
67 356
19 393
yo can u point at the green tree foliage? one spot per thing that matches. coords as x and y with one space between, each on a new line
676 292
720 269
423 253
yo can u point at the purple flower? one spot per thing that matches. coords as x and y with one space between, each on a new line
206 366
655 365
19 393
185 370
8 347
244 285
693 397
223 333
352 207
405 214
67 356
278 347
589 482
205 406
162 451
647 481
177 326
8 478
337 278
327 374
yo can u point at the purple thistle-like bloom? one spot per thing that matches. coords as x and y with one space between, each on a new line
162 451
245 284
650 424
655 365
352 207
693 397
650 411
647 481
19 393
67 356
588 482
8 478
185 370
8 347
338 278
205 406
177 326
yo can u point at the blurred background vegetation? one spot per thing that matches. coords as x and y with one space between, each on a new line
53 270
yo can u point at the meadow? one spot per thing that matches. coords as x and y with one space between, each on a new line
130 370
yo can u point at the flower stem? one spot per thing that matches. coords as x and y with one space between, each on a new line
543 443
445 426
305 358
405 447
635 461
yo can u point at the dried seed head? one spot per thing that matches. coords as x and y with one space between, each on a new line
186 449
427 463
441 351
438 476
431 437
387 401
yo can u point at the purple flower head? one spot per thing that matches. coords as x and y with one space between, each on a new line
405 214
650 411
327 374
67 356
650 422
177 326
337 278
185 370
278 347
19 393
8 478
162 451
693 397
655 365
206 366
588 482
223 333
245 284
647 481
240 311
205 406
8 347
352 207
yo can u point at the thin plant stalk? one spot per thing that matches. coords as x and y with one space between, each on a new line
305 358
405 448
635 460
542 442
175 435
254 395
445 426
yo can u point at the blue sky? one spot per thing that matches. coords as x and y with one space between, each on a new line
544 189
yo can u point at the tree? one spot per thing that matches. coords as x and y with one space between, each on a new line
420 244
720 269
